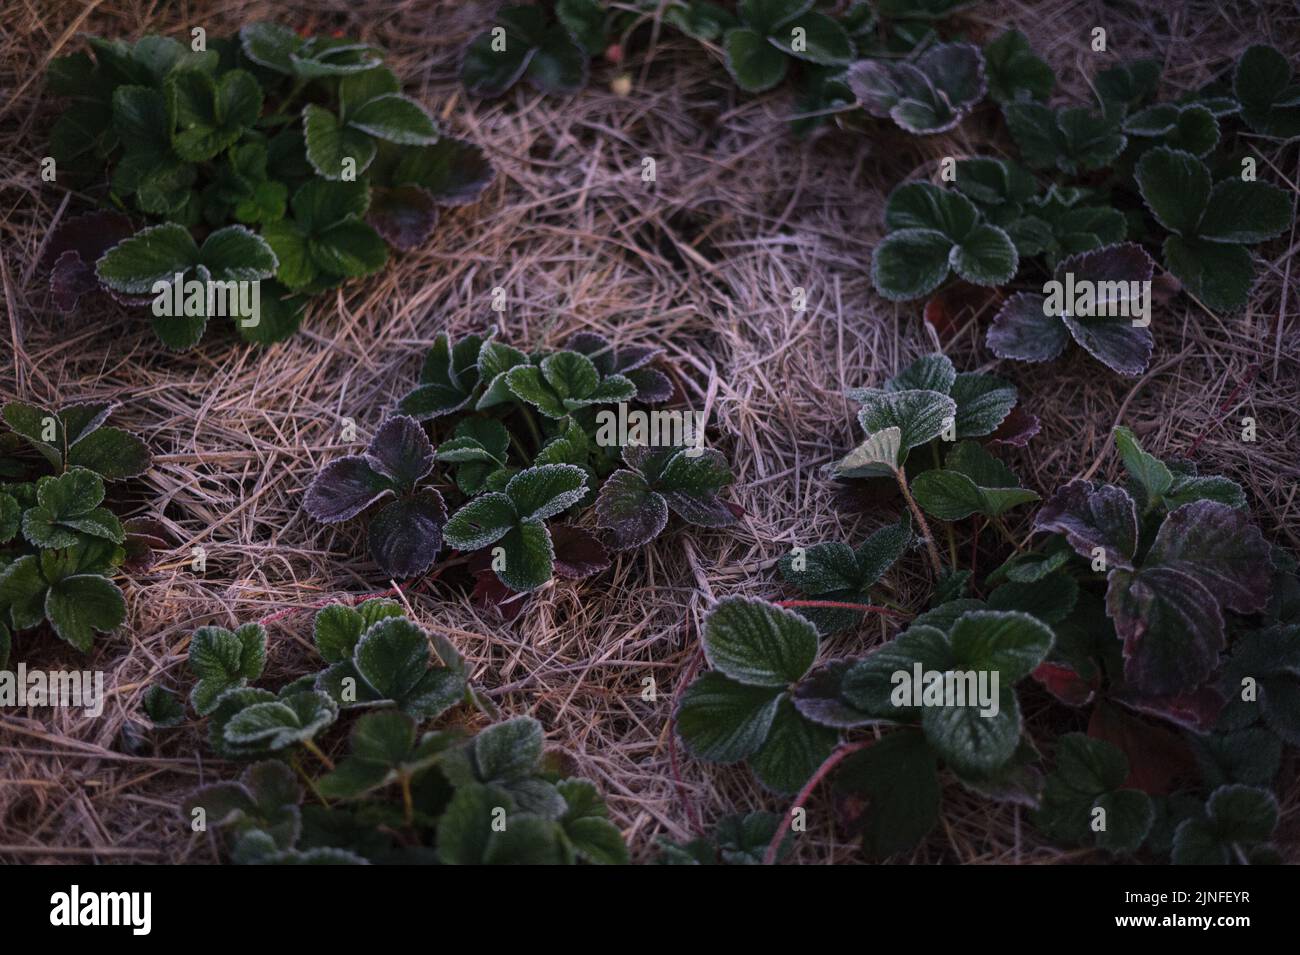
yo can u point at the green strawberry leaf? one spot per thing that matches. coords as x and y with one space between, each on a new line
162 707
755 64
1014 71
897 779
971 482
757 643
223 660
1083 802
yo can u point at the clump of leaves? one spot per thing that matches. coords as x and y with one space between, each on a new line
1086 802
1211 223
1234 827
634 502
1071 139
835 572
405 535
1264 84
528 442
269 142
515 517
59 544
376 656
402 796
75 436
223 660
971 481
771 32
925 401
525 42
934 232
1033 327
1167 591
931 94
744 709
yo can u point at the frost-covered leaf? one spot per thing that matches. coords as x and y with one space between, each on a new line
275 724
931 95
1264 84
920 416
878 456
971 482
224 659
835 572
393 659
757 643
405 535
1092 517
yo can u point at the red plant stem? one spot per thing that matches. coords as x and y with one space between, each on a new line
841 605
831 761
1251 373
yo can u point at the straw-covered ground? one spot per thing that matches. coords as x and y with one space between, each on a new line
703 262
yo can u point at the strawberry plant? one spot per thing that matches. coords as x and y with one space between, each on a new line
1210 223
926 402
1264 86
933 233
1089 776
832 572
405 797
766 702
526 446
930 95
771 32
59 545
1030 328
266 158
405 535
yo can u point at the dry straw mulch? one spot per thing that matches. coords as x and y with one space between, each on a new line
702 261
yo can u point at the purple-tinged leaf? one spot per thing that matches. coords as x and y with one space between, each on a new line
1065 683
401 450
629 510
344 488
71 278
1197 710
1090 517
1116 343
1171 626
652 385
452 171
405 216
144 536
1024 331
406 535
1219 546
818 697
1017 429
578 553
73 250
